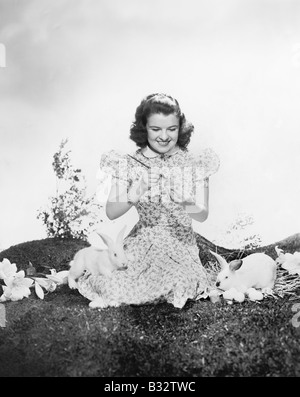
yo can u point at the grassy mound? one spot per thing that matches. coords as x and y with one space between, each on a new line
49 252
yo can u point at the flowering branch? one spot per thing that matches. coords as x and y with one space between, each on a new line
71 213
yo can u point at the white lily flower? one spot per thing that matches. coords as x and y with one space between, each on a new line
47 284
289 262
39 290
17 287
292 265
58 277
282 257
7 269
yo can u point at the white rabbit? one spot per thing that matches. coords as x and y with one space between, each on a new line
257 270
98 261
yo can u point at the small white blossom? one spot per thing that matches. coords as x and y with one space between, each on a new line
7 269
17 287
289 262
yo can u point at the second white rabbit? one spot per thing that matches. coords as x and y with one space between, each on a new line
257 270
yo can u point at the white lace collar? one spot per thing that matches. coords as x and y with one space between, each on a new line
150 154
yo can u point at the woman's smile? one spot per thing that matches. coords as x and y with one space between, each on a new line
163 143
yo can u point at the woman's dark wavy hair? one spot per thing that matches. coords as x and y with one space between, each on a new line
164 104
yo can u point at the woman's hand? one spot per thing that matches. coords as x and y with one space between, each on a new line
181 189
149 179
146 181
182 196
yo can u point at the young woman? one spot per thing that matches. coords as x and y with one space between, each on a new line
169 188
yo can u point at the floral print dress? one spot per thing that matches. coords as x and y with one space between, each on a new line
164 260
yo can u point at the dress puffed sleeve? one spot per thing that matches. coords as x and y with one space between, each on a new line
206 164
113 168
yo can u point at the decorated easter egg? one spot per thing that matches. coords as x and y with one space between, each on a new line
254 295
214 295
239 297
229 294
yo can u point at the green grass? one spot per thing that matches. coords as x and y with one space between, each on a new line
61 336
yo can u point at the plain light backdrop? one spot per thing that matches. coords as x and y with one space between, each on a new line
78 69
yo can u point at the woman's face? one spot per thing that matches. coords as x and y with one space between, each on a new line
162 132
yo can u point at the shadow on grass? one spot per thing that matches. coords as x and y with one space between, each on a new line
62 336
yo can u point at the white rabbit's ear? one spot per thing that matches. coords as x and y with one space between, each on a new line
120 236
220 259
107 240
235 265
